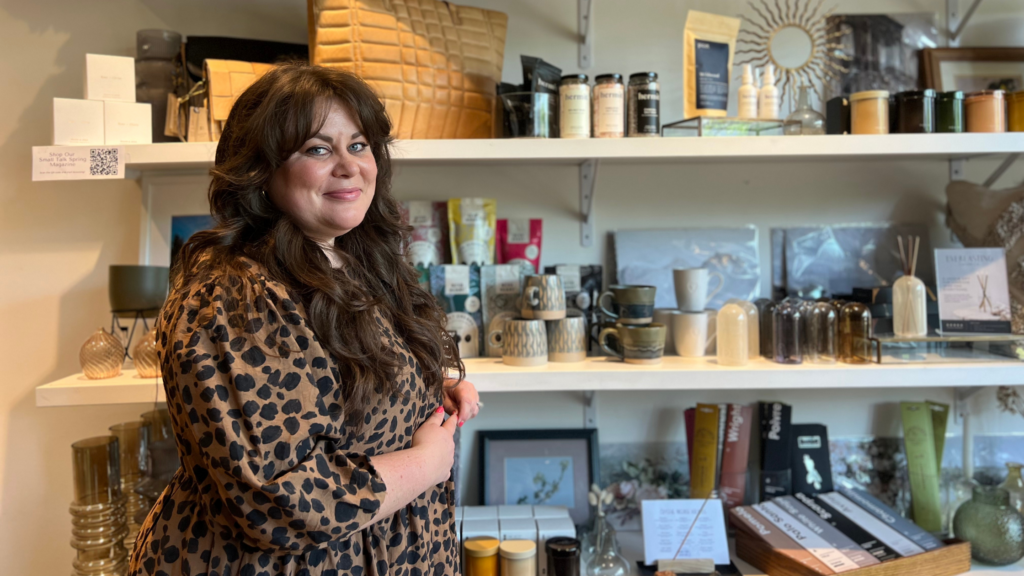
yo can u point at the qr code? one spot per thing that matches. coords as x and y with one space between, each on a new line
103 162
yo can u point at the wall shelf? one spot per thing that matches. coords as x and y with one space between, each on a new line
601 374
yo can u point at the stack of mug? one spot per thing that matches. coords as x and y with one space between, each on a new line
630 332
544 331
692 327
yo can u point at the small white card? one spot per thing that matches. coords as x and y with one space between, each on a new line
456 280
421 213
974 294
518 231
666 522
77 163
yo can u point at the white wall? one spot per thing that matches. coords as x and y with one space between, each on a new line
56 240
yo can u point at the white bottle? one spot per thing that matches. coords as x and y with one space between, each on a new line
748 94
768 96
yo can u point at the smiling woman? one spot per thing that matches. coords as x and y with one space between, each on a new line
305 369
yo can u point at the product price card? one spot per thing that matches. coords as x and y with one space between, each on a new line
667 522
77 162
974 294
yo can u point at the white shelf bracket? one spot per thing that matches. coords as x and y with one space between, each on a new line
961 395
589 409
588 183
955 22
956 169
585 12
1010 159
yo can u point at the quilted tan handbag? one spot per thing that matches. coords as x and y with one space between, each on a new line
435 64
225 82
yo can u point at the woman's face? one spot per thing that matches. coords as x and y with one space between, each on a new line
327 185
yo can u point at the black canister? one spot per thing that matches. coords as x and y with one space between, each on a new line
949 112
915 112
563 556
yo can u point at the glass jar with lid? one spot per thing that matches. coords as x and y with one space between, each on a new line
644 106
1015 103
869 112
786 327
949 111
563 556
518 558
915 111
855 334
820 327
574 106
986 111
481 556
609 97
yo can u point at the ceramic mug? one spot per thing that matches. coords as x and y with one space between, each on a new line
543 297
692 288
643 344
664 316
633 304
524 342
567 338
690 330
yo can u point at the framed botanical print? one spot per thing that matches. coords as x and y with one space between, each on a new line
552 467
974 69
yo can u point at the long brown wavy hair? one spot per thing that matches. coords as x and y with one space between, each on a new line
269 122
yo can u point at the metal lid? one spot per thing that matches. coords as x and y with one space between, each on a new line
582 77
563 546
648 75
518 549
952 95
607 77
927 93
867 94
987 94
481 546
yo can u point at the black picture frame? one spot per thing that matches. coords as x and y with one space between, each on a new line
490 442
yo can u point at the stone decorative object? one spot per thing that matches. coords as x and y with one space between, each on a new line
101 356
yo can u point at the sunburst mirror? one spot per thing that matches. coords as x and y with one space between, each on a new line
793 35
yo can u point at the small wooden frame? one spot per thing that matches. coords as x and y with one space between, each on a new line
932 59
689 566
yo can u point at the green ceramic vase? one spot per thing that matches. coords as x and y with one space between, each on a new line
994 528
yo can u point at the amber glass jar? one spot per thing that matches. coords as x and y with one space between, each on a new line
855 334
1015 103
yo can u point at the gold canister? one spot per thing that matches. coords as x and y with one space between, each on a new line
869 112
985 111
1015 102
518 558
481 556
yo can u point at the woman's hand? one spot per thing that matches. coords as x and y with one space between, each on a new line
435 438
461 400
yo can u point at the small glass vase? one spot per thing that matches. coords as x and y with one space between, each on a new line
607 561
804 121
1014 484
753 326
766 337
733 339
786 328
101 356
821 328
855 334
909 307
993 527
146 356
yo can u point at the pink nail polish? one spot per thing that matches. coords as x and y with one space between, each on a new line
440 409
461 422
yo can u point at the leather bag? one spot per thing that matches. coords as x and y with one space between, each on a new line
435 65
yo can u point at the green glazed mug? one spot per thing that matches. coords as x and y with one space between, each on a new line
640 344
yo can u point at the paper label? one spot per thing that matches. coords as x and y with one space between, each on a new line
473 212
518 231
667 522
421 213
77 163
456 280
506 279
570 276
806 537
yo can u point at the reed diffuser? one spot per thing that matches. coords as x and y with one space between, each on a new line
909 311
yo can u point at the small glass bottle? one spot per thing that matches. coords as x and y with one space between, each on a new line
786 328
753 326
766 310
606 560
644 107
855 334
1014 484
563 556
574 106
909 307
805 121
821 327
609 96
732 336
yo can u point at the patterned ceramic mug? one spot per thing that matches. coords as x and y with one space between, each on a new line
523 342
543 297
640 344
633 304
567 338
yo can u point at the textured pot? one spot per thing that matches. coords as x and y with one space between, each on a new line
994 528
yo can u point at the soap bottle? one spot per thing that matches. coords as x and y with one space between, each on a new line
768 96
748 94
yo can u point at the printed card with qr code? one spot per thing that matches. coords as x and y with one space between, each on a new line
77 162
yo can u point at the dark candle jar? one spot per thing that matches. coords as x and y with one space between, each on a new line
563 556
915 111
949 112
766 313
786 327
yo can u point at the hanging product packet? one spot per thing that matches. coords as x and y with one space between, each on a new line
519 241
540 76
471 223
457 289
502 288
709 41
582 285
429 245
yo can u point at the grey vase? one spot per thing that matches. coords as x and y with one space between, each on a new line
994 528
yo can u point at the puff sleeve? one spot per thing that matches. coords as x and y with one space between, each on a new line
254 391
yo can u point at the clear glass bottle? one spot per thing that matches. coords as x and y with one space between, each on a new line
607 561
909 307
804 120
855 334
732 336
753 326
786 329
821 326
1014 484
766 311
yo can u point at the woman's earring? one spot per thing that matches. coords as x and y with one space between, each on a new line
264 192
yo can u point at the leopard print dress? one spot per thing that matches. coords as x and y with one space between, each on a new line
272 481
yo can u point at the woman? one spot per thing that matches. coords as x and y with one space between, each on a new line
304 367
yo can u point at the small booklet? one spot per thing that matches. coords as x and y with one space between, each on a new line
974 293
